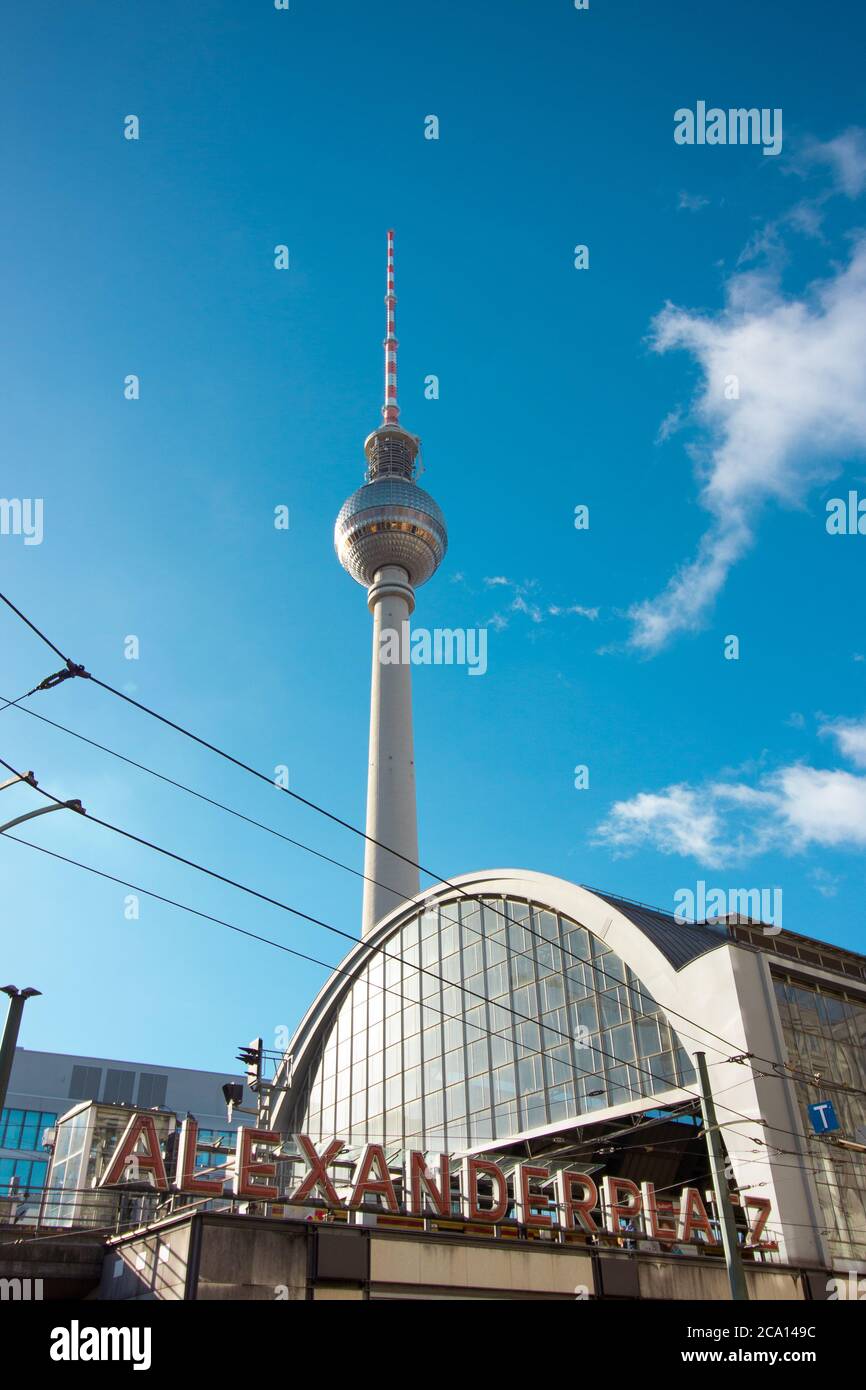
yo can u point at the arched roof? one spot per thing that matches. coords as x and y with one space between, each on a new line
654 945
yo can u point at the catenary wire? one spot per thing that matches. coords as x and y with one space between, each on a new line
299 844
73 669
77 670
327 926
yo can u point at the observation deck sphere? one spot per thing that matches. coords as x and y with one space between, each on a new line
390 521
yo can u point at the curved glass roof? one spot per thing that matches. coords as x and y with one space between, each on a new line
477 1021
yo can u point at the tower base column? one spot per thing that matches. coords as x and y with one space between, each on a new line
391 807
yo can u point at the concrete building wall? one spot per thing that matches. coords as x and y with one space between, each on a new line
226 1257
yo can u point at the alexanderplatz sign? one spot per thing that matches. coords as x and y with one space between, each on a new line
622 1203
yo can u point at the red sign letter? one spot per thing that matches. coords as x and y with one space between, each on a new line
418 1182
693 1216
148 1162
525 1199
317 1178
244 1183
579 1208
380 1186
615 1209
472 1167
763 1206
654 1210
187 1178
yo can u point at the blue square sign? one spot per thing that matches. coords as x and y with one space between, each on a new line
823 1117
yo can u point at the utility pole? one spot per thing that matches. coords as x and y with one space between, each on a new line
712 1134
17 999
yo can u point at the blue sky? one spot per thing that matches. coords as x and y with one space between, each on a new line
557 387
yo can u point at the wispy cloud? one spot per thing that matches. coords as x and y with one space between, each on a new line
800 365
669 425
783 394
825 883
525 601
691 202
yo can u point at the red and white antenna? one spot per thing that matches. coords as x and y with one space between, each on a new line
390 410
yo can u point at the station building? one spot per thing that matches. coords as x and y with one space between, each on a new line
519 1016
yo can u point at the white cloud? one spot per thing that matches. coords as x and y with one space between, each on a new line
678 820
801 369
850 736
845 157
790 809
821 807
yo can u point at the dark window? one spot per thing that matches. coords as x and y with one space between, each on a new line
151 1089
85 1082
119 1086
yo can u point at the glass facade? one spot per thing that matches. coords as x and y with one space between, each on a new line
86 1139
30 1173
825 1032
477 1021
23 1129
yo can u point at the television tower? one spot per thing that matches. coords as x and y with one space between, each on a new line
390 536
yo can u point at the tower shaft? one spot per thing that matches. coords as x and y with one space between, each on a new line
391 537
391 804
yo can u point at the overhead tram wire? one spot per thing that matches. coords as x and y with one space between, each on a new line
299 844
73 669
242 931
11 704
255 936
326 965
338 931
366 877
357 873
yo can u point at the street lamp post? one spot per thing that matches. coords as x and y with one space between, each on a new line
17 999
44 811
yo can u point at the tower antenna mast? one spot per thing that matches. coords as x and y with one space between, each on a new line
391 537
391 408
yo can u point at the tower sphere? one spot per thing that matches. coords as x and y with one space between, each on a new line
390 521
